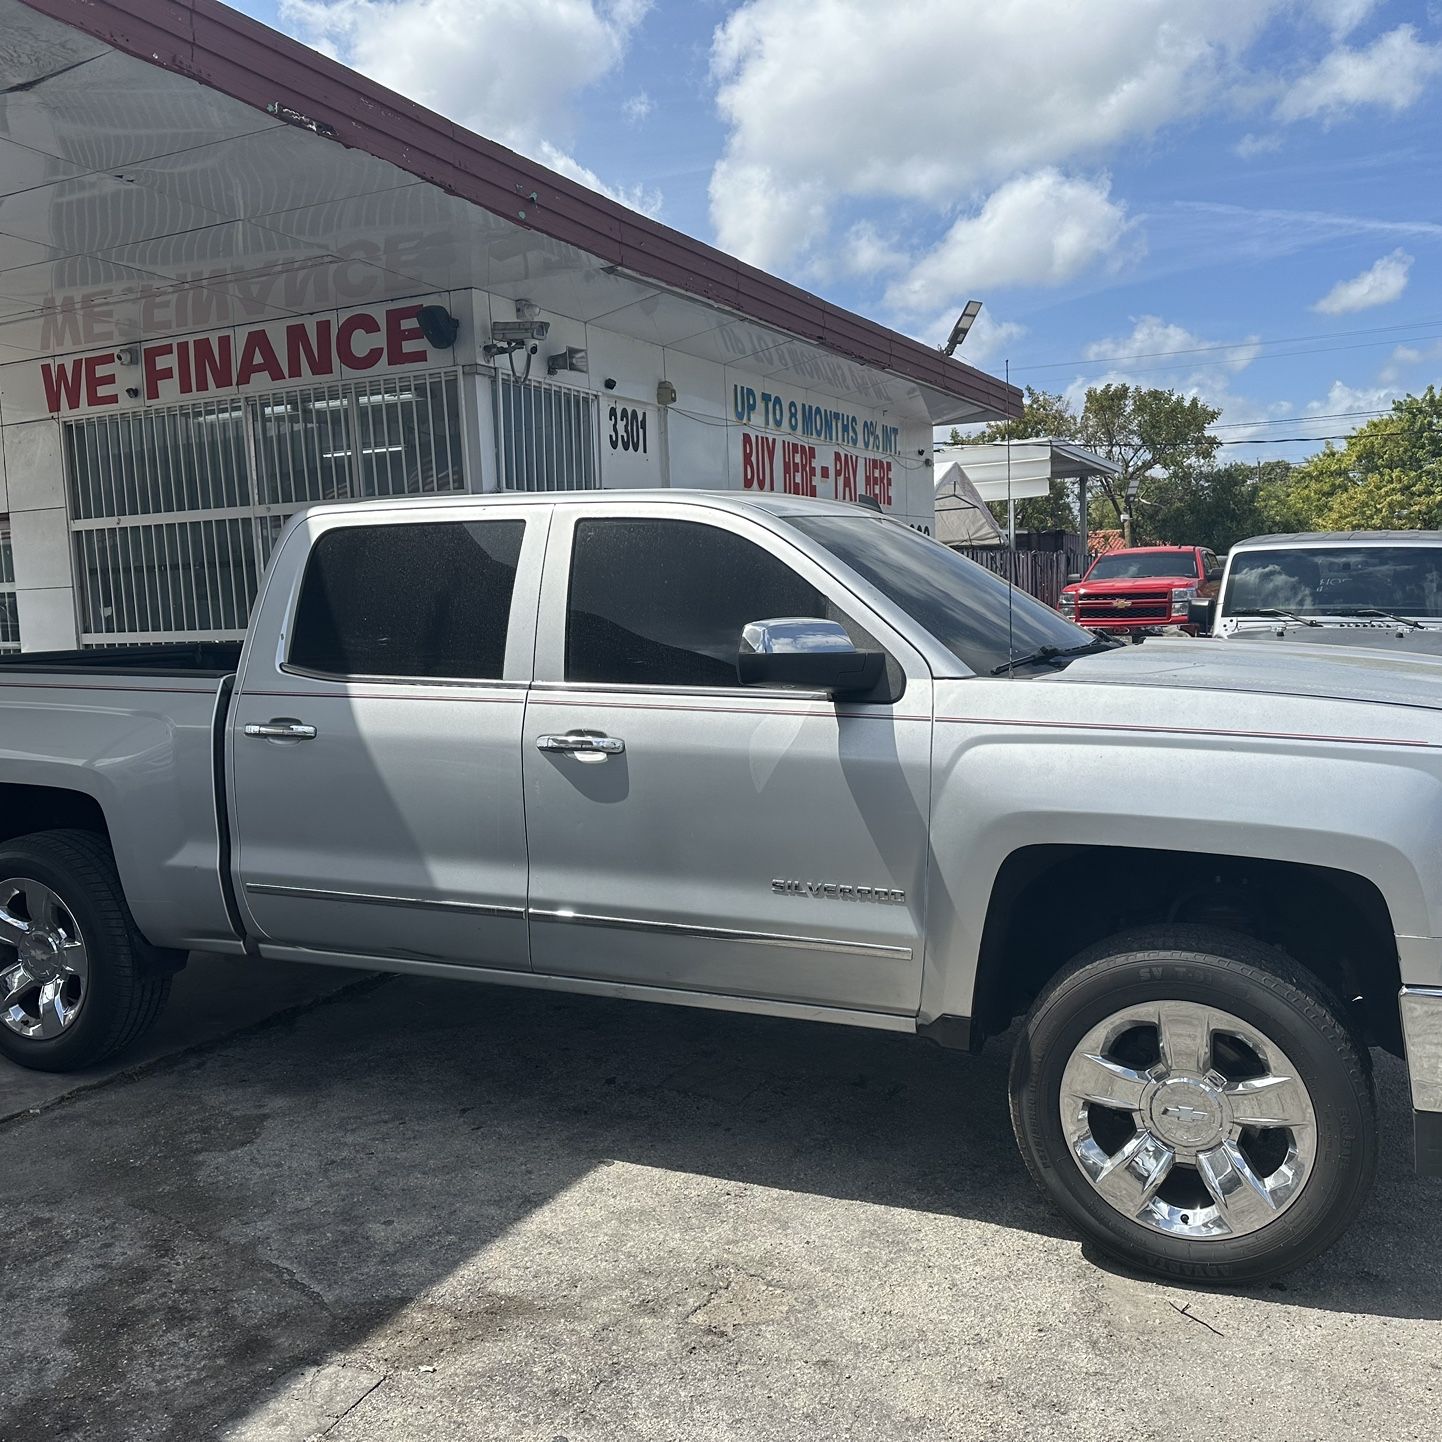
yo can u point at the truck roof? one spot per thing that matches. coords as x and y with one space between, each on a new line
1348 538
1136 550
721 500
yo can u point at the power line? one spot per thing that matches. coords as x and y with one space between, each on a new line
1295 420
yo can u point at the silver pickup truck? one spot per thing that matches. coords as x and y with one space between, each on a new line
786 757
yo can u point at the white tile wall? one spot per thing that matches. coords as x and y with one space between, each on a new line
34 475
42 550
47 618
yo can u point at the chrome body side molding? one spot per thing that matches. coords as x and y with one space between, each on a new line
309 893
720 933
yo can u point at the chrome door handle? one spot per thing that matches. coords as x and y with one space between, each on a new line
281 731
582 741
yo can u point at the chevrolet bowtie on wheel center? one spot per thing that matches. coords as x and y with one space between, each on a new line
780 756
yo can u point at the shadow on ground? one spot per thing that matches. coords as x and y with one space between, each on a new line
179 1239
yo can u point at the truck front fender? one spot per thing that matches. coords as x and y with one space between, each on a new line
1373 810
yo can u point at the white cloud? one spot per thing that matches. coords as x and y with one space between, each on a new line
1390 73
1406 357
808 89
637 107
1251 146
1343 16
864 251
1351 402
506 68
1379 284
1155 342
1044 228
1160 353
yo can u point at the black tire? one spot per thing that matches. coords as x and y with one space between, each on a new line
128 981
1260 986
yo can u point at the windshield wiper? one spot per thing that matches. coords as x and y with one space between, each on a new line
1378 611
1054 653
1275 611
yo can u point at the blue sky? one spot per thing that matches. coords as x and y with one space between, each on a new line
1235 198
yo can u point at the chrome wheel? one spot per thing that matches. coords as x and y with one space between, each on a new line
44 970
1188 1120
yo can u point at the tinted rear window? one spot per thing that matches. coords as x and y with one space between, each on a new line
428 601
1148 565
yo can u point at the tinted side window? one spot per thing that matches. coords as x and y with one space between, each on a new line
427 600
662 603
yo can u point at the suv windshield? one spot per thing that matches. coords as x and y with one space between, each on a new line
963 605
1158 565
1336 581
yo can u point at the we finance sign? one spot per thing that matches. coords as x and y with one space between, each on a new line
318 348
799 447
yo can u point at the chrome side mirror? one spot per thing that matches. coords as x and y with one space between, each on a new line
793 634
807 652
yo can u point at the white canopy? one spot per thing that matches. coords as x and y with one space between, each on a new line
962 518
1020 468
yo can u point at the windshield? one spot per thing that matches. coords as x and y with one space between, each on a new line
1176 565
963 605
1336 580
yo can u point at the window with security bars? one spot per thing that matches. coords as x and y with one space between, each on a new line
175 511
547 437
9 616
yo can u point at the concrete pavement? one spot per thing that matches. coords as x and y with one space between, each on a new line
426 1209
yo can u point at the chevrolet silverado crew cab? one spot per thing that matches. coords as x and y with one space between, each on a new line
1338 588
1141 591
774 756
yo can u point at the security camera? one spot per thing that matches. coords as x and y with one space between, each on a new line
125 357
504 332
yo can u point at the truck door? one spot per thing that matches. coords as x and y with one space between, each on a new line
703 836
375 783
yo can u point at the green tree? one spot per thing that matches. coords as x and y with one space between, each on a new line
1215 506
1387 476
1144 431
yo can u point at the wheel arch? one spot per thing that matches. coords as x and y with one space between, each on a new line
1050 901
26 808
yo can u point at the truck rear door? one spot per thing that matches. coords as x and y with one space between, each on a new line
759 843
375 789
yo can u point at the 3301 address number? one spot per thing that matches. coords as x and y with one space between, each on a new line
628 429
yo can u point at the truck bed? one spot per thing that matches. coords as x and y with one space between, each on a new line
138 730
190 658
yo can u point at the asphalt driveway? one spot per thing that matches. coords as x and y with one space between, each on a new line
406 1209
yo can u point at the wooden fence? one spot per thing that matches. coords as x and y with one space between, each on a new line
1039 573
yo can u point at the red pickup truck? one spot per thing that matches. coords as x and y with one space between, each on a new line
1141 591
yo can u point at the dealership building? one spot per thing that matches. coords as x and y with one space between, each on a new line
237 278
